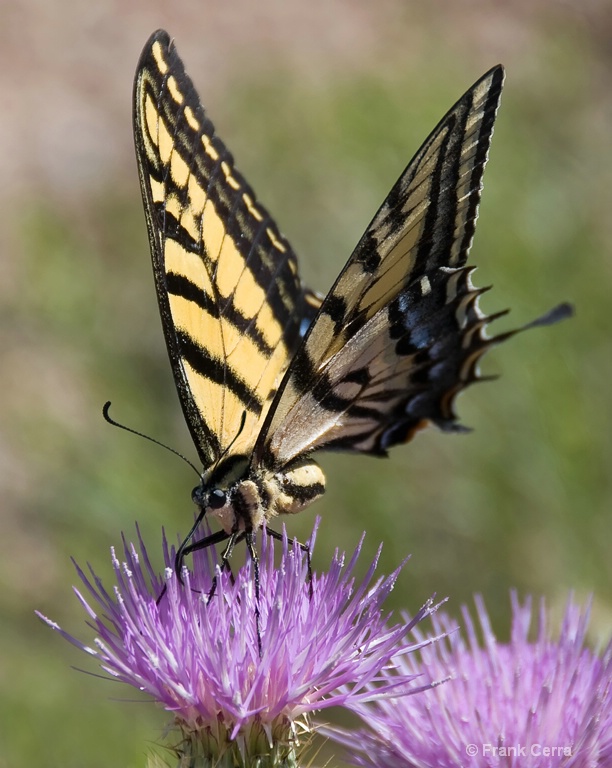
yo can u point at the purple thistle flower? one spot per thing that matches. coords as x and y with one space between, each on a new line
540 704
200 658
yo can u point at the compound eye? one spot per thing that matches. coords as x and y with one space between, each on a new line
217 499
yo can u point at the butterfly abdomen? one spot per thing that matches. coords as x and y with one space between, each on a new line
295 488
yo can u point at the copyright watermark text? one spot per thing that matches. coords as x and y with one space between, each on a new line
518 750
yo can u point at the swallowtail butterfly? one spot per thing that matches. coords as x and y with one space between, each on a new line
267 372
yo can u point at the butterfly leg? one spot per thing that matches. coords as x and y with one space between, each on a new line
234 538
250 537
186 549
305 548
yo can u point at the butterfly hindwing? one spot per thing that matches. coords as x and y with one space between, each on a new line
231 301
400 333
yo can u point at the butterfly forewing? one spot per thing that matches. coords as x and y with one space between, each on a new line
399 334
227 281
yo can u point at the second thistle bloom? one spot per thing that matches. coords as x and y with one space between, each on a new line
538 703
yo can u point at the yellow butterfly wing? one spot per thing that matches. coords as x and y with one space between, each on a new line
229 293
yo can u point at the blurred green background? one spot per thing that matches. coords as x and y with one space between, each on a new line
323 104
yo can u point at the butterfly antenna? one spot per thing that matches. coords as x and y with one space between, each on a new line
229 447
236 436
114 423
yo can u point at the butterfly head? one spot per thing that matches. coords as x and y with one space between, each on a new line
219 493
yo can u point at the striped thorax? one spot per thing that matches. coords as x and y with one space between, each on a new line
242 501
